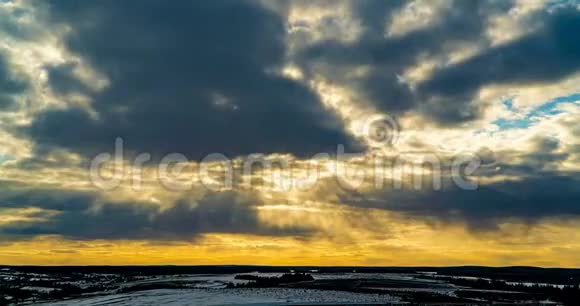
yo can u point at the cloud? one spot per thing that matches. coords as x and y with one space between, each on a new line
387 57
15 20
375 14
62 80
448 93
194 78
10 85
546 55
86 216
529 200
236 77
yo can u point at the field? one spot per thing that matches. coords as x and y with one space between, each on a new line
249 285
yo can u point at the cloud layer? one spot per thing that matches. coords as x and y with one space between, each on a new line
194 78
10 85
86 216
495 80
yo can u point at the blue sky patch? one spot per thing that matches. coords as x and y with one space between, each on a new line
549 108
4 158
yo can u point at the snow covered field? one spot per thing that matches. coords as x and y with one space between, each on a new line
249 286
246 296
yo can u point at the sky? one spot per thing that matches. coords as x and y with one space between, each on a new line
271 132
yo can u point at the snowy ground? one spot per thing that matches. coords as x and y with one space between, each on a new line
207 297
337 288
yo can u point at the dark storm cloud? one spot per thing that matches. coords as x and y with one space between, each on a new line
83 216
193 77
10 85
375 14
535 188
545 158
388 57
528 200
548 54
14 195
62 81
